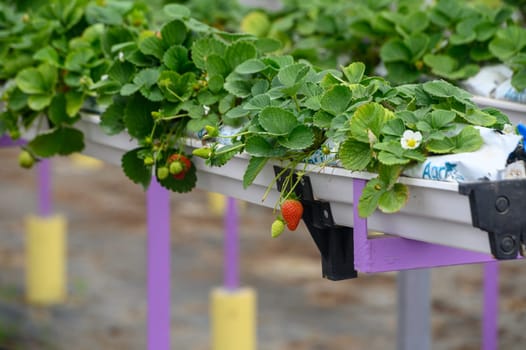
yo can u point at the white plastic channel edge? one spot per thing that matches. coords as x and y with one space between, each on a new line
435 212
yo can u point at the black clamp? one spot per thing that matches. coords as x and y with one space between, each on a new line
499 208
334 242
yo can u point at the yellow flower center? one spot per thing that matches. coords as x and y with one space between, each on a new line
411 143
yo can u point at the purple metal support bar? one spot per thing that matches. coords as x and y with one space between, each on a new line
158 212
231 277
491 305
6 141
45 207
395 254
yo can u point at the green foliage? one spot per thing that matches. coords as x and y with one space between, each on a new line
190 78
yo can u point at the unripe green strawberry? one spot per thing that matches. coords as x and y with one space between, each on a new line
204 153
211 131
25 159
292 211
278 226
148 161
185 163
162 173
176 168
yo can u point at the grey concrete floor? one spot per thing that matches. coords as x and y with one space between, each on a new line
297 309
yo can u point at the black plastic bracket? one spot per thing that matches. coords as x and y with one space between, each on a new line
499 208
334 242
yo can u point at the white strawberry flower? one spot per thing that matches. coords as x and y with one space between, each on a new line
121 56
411 139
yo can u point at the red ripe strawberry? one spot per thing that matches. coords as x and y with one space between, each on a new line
292 211
185 162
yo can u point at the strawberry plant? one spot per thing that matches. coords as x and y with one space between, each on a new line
189 79
173 82
378 127
52 60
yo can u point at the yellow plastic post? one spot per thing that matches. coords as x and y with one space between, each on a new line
233 315
46 255
86 162
217 203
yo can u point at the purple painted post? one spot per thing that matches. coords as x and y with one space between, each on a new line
6 141
231 277
158 212
45 207
490 327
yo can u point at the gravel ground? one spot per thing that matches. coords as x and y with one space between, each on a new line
297 309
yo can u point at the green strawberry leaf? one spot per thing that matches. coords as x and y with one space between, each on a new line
74 102
204 47
251 66
153 46
393 199
146 77
216 66
173 33
121 71
39 102
508 42
368 119
176 58
389 158
355 155
57 110
443 89
39 80
442 118
129 89
258 146
401 72
519 80
370 198
322 119
395 50
293 74
336 100
176 87
277 121
77 59
441 146
354 72
257 103
479 117
138 116
111 120
239 52
59 141
239 88
177 11
300 138
48 55
254 167
395 127
469 140
134 168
